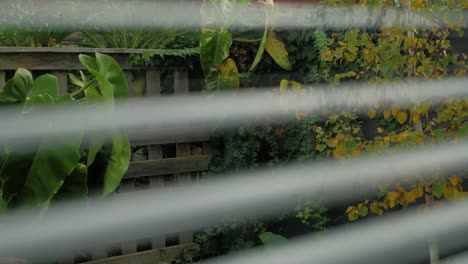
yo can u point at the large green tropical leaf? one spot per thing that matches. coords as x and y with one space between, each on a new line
111 70
105 86
55 159
214 48
112 84
14 171
75 185
118 161
269 238
277 51
17 88
261 48
110 77
37 101
45 84
225 78
95 141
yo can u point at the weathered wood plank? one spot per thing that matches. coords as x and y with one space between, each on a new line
2 80
159 136
129 77
156 182
62 81
130 246
150 257
52 61
167 166
73 50
153 83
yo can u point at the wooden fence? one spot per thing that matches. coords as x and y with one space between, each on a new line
169 160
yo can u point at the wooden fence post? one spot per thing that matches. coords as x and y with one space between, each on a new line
181 87
62 81
130 246
153 88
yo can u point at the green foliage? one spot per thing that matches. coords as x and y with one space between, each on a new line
130 39
147 57
269 238
53 168
31 39
217 39
311 213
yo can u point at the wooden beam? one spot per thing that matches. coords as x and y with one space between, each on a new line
75 50
150 257
167 166
2 80
53 61
159 136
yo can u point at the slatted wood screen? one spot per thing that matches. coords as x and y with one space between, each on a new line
149 167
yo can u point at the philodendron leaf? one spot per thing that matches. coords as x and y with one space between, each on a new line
269 238
225 79
261 48
18 163
111 84
214 48
55 159
277 51
15 169
75 185
45 84
95 141
118 161
17 88
111 70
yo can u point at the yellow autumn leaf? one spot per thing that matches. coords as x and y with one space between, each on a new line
284 85
395 109
339 151
277 51
425 109
355 152
418 139
384 205
401 117
353 216
454 181
380 130
416 119
299 116
409 197
392 196
386 114
371 114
